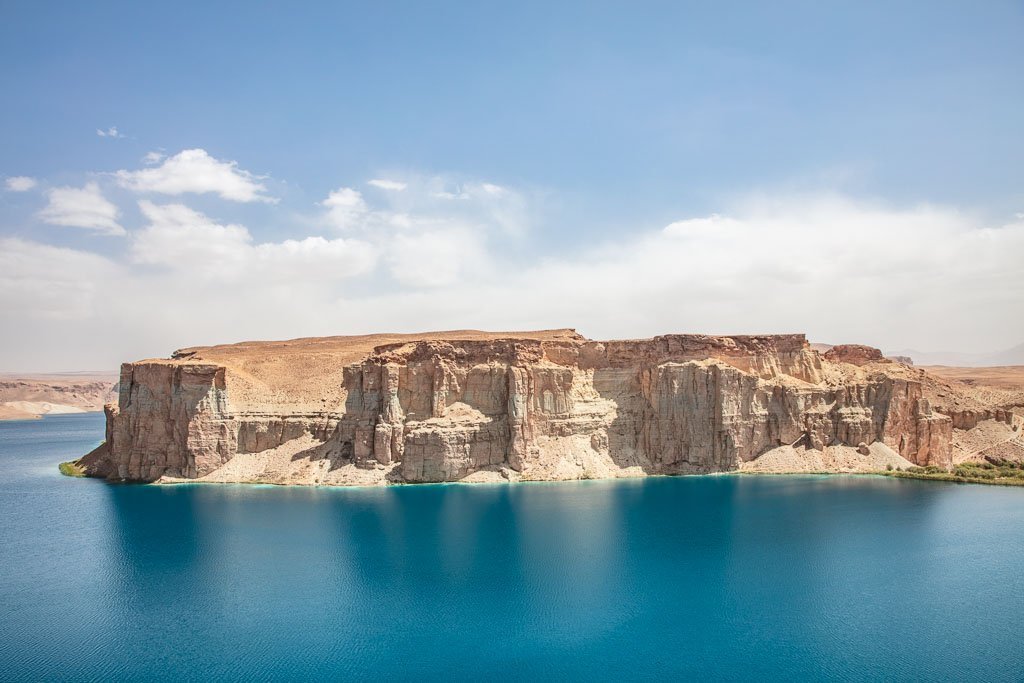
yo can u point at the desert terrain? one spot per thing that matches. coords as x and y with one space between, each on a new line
29 396
544 405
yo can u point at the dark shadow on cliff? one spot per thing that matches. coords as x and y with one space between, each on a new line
626 446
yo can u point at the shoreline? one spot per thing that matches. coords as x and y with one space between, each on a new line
945 477
29 417
951 478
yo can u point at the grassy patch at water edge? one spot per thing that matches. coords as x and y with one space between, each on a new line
1001 473
71 469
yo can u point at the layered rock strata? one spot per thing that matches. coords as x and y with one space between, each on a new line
551 405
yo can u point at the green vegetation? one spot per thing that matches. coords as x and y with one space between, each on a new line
71 469
999 472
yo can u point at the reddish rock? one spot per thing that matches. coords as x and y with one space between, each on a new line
856 354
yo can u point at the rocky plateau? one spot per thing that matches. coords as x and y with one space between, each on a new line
475 406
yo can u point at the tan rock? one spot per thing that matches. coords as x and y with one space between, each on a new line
856 354
475 406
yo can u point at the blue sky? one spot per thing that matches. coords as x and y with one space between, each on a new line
600 124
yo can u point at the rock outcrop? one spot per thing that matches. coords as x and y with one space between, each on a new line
535 406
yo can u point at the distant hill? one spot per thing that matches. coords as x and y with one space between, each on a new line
1012 356
29 396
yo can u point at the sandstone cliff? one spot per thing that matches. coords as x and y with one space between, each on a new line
472 406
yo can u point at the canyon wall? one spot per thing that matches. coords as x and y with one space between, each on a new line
557 407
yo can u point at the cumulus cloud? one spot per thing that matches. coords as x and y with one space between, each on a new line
195 171
111 132
838 268
152 158
19 183
182 238
346 208
84 207
421 200
385 184
189 242
424 240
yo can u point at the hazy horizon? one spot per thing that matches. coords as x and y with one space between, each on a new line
189 175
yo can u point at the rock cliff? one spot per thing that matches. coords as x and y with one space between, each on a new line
472 406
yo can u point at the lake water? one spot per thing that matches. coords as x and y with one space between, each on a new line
858 578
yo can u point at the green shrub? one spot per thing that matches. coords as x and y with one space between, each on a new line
71 469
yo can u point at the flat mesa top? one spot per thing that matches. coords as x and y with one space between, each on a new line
351 349
307 373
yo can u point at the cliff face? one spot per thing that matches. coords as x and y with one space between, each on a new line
670 405
531 406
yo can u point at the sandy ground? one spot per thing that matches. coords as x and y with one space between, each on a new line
20 410
1005 376
28 396
990 439
787 459
993 386
303 461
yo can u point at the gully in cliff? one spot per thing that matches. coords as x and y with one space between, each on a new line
475 406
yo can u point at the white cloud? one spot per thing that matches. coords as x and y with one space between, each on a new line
84 207
385 184
179 237
111 132
313 261
20 183
187 241
435 258
42 281
840 269
425 242
427 201
345 208
195 171
152 158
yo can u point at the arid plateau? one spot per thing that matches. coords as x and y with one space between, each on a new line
549 405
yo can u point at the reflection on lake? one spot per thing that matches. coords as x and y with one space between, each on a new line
721 577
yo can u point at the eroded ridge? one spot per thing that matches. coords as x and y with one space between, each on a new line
477 406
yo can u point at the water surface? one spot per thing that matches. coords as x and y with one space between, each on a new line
856 578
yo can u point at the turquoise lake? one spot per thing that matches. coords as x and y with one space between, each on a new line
722 577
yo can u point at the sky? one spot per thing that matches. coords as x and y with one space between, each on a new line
177 174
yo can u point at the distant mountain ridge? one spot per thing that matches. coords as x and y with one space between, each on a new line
1011 356
31 396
